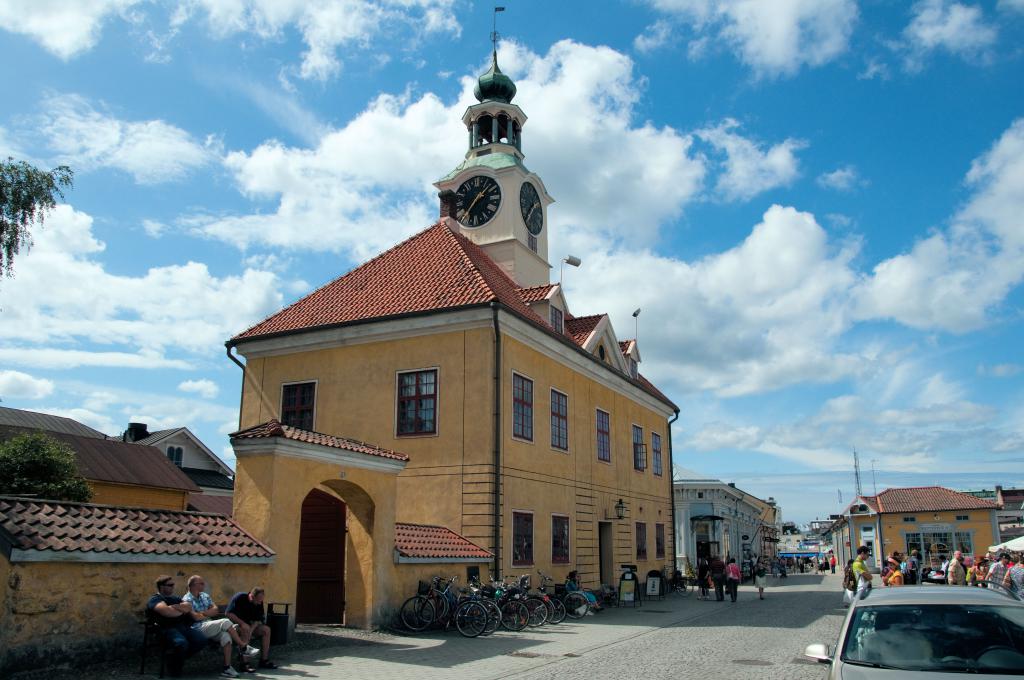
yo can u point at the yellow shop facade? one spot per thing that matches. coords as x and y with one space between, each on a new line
445 386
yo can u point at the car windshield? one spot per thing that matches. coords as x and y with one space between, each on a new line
935 637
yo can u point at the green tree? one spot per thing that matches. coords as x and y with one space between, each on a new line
27 194
35 464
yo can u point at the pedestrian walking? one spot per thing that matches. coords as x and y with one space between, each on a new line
849 583
895 577
999 571
955 574
760 578
832 562
913 572
861 570
717 569
732 577
703 576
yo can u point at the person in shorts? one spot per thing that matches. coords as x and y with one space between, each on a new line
174 617
212 626
246 609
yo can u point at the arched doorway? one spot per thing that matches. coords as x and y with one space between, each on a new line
320 593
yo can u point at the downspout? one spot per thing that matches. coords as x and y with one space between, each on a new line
241 395
672 493
497 441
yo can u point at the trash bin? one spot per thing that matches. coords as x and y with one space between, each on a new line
278 623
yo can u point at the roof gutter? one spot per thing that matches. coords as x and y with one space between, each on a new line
497 440
241 396
672 492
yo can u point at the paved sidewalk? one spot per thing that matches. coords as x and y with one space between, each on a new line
671 638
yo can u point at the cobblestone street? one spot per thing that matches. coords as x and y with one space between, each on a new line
679 637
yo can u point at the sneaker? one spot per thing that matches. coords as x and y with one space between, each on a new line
250 651
229 672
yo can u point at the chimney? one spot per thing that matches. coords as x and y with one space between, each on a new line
135 432
448 208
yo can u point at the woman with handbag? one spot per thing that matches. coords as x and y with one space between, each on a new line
760 578
703 578
733 576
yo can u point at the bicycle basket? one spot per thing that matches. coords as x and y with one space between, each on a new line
423 589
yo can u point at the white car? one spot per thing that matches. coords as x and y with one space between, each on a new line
922 632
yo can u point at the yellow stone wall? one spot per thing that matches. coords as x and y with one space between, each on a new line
449 478
980 523
52 609
130 495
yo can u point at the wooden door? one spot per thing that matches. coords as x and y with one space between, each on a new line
320 596
605 551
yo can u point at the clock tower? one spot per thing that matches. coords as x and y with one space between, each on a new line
491 197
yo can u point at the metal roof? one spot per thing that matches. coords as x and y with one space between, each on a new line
44 421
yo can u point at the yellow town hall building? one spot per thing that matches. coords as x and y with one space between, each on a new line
494 413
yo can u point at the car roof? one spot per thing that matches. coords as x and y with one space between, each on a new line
936 594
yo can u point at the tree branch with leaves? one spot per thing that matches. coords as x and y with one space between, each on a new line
27 194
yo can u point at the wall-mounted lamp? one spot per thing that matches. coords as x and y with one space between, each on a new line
620 509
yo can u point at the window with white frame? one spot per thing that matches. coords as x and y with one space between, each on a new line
604 436
522 538
559 539
656 453
522 407
639 449
175 454
557 319
417 402
297 404
559 420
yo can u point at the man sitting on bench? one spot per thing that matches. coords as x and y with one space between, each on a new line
175 619
246 609
204 614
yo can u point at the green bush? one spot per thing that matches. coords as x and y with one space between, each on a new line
38 465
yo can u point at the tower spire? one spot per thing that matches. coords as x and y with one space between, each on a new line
494 34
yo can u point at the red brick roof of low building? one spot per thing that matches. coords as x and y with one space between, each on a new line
429 541
111 460
929 499
78 528
274 428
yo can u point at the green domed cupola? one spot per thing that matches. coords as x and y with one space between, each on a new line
494 85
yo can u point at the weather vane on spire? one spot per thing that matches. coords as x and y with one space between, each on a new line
494 30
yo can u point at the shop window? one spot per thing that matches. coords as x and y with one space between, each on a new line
175 454
964 542
656 453
522 407
297 404
604 436
417 402
559 539
659 541
559 420
522 539
641 541
639 449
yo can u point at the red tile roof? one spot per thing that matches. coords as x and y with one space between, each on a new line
433 270
275 429
929 499
201 502
436 542
579 328
111 460
624 345
536 293
161 535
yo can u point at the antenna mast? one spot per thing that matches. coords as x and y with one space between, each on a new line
856 472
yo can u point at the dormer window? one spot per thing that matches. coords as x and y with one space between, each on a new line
175 454
601 352
633 370
557 319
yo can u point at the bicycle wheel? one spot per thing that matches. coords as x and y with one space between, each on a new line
442 608
417 613
538 611
576 605
514 615
471 618
493 616
556 610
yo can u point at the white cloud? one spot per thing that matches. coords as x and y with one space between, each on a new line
749 167
15 384
207 389
153 228
654 36
178 308
66 28
954 278
369 184
151 151
840 179
951 26
874 69
774 38
1000 370
1011 5
761 315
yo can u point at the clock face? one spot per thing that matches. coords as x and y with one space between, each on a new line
533 212
477 200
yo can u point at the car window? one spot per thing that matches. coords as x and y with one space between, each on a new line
934 637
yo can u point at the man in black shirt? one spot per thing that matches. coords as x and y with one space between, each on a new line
246 610
175 618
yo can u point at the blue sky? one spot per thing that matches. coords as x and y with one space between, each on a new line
816 203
